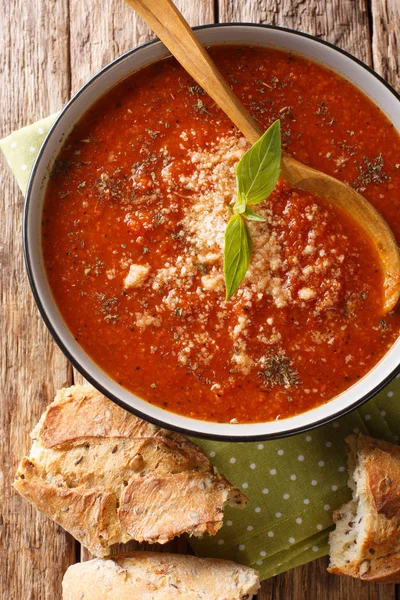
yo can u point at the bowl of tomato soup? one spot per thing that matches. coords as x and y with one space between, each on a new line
124 228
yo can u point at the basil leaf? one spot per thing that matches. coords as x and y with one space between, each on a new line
257 174
237 254
258 170
240 205
249 215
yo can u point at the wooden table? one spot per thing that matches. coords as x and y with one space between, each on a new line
51 47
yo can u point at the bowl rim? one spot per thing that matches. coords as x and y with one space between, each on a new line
75 362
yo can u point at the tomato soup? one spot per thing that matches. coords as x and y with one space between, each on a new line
133 239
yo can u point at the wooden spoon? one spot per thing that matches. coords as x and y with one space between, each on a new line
172 29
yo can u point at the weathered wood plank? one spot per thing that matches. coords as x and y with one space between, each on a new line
386 39
101 31
342 22
33 552
34 72
313 582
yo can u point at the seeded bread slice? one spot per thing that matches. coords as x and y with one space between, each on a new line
153 576
366 541
108 477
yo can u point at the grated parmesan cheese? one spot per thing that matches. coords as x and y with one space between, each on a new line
145 319
307 293
210 183
137 276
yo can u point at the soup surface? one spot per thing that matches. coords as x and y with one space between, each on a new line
133 235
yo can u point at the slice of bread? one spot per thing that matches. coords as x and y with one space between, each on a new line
108 477
366 541
154 576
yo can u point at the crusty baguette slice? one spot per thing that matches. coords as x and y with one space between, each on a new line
155 576
107 476
366 541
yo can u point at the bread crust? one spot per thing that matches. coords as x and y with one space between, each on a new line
107 476
179 501
153 576
385 569
89 515
381 461
378 544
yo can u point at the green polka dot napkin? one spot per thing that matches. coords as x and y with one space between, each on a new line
293 484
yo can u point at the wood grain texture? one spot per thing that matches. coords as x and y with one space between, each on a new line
313 582
386 39
50 48
105 29
34 71
342 22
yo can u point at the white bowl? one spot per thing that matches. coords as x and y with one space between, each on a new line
322 52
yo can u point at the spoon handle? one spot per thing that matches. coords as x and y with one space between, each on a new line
169 25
